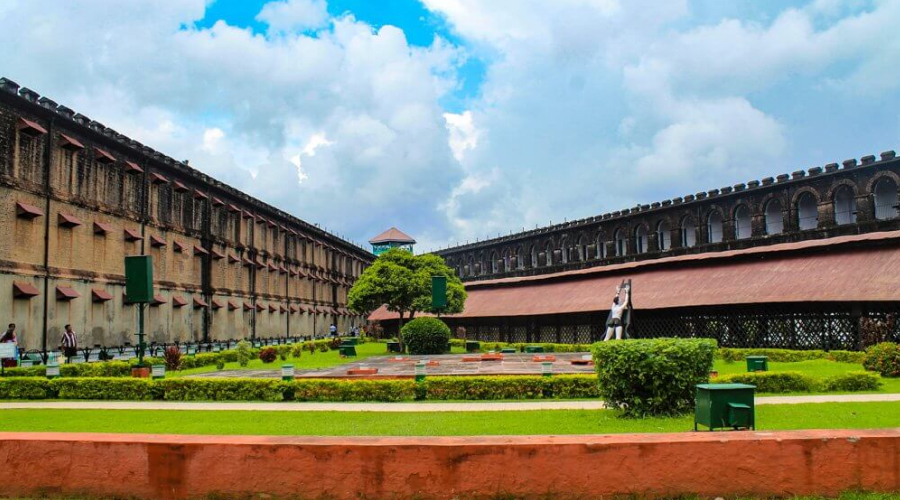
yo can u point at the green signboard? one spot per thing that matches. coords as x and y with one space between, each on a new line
139 279
438 292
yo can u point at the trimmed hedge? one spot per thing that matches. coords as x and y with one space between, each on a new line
353 390
511 387
783 382
520 346
652 377
108 388
235 389
732 354
25 388
772 382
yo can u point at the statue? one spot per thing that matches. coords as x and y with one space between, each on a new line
619 319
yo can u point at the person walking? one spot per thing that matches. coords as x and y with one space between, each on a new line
69 344
616 314
9 337
333 330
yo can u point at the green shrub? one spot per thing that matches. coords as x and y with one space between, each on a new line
243 353
731 354
484 388
883 358
353 390
851 382
652 376
32 371
847 356
426 336
571 387
25 388
772 382
128 389
236 389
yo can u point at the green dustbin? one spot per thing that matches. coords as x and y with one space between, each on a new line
757 363
393 346
473 345
725 405
507 350
350 341
348 350
534 348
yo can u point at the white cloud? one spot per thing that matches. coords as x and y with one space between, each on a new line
463 133
286 16
586 105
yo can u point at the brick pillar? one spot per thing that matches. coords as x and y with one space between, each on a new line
728 230
825 213
758 224
653 241
865 208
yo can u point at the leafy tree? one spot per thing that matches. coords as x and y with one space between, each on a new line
402 282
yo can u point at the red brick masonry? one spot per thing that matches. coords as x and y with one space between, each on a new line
166 466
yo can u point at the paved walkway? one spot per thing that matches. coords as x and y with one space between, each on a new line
404 407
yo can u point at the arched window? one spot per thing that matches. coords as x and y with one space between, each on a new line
601 247
495 263
885 199
663 235
714 227
549 254
640 239
688 232
582 251
844 206
520 257
564 250
534 256
774 217
621 243
471 266
807 212
742 228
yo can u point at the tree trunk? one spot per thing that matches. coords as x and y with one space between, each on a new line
400 335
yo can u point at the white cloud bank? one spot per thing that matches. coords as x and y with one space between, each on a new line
586 105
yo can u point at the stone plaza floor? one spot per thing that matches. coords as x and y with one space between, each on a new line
445 364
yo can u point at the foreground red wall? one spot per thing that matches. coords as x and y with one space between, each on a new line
164 466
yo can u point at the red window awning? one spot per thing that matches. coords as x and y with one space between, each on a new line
66 293
178 301
200 195
133 235
102 228
198 250
199 303
156 241
68 220
157 178
69 143
217 304
26 211
29 127
217 255
132 167
179 186
24 290
102 156
100 295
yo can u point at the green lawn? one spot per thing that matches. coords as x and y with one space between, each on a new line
769 417
817 368
305 362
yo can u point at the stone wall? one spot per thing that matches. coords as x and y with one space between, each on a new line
76 198
704 464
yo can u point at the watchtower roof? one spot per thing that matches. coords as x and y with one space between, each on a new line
392 235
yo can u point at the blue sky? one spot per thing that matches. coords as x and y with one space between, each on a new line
457 120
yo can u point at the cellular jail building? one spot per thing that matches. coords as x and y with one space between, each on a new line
77 197
800 260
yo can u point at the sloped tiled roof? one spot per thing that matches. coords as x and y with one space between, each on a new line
392 235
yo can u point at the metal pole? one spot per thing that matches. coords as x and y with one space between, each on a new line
141 344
